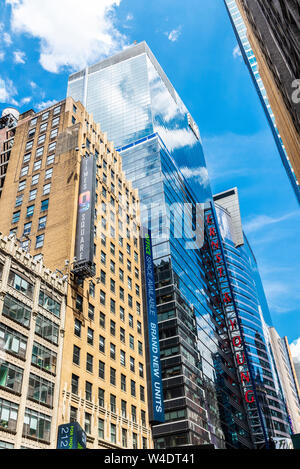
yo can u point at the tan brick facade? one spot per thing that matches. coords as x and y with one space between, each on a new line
62 135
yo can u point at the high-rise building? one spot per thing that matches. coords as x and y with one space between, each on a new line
269 42
286 371
271 420
8 123
67 201
135 103
32 321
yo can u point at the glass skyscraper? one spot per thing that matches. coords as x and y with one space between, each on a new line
131 98
255 319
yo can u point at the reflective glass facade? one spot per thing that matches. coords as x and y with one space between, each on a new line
254 315
134 102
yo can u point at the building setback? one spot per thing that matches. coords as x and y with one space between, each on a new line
103 379
267 33
131 97
32 321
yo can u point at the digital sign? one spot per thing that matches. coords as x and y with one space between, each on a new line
151 326
71 436
85 218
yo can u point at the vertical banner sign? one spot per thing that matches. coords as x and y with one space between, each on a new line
232 321
85 214
151 326
71 436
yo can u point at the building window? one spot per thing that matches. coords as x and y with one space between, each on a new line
102 297
122 313
53 134
76 355
24 171
32 194
42 223
134 440
131 341
74 384
55 122
143 417
33 121
39 242
88 391
57 110
139 327
113 407
123 382
22 186
130 301
112 351
77 328
35 179
89 362
132 388
133 413
122 335
49 303
122 358
92 289
41 139
43 357
73 414
141 370
37 425
124 438
90 336
26 157
112 327
20 284
100 428
48 173
142 393
132 364
29 212
45 116
112 433
43 127
11 376
101 370
102 320
29 145
47 329
91 312
52 147
112 306
37 165
16 310
101 394
102 344
16 217
130 320
87 422
46 189
50 159
13 342
44 205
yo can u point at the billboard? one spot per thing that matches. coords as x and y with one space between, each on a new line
85 218
71 436
154 381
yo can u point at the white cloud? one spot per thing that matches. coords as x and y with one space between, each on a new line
262 221
19 57
7 92
295 349
237 52
33 85
7 39
129 17
25 100
2 55
199 173
173 36
45 104
72 33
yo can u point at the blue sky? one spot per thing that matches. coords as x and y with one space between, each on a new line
196 46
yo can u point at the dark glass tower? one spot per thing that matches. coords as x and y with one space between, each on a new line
135 103
255 320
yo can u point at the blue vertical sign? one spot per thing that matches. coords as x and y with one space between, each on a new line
152 347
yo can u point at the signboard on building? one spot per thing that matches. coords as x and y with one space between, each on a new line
85 218
154 380
71 436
